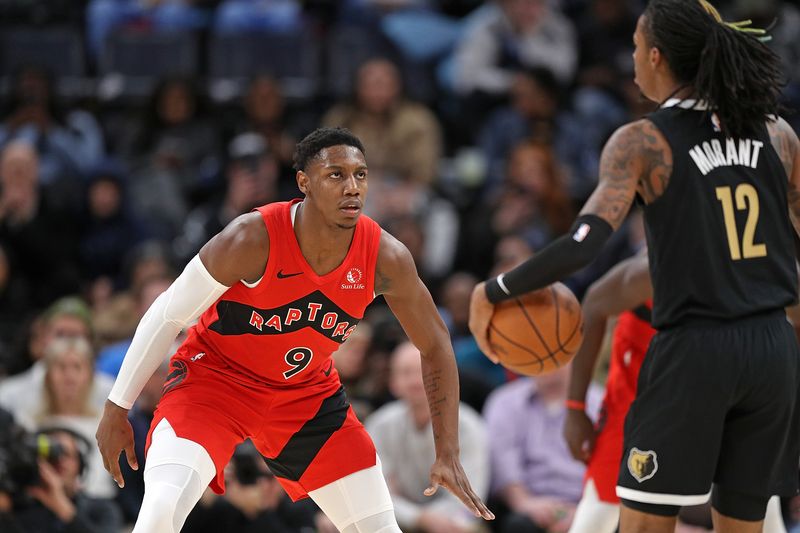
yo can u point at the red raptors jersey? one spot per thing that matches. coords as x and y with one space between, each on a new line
628 347
284 330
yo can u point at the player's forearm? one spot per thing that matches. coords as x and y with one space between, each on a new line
564 256
440 375
586 358
184 301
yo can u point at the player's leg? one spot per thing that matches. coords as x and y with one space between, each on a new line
177 471
647 520
773 522
594 515
359 502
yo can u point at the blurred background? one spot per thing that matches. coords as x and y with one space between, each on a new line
131 131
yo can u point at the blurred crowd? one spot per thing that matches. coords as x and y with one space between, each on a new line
483 124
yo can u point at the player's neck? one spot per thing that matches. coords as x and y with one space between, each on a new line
319 241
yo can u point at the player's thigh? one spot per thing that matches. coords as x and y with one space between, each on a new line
760 448
674 427
636 521
355 498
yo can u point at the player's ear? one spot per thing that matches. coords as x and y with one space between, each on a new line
302 181
655 56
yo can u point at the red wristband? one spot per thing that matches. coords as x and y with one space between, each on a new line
575 405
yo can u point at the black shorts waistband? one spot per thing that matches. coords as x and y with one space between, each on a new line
706 322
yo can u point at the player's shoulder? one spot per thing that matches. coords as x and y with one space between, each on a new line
785 142
247 231
393 256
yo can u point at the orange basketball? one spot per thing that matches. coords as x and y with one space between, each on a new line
537 332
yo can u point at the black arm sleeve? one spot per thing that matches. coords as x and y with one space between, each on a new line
567 254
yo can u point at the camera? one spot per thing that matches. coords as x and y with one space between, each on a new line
20 452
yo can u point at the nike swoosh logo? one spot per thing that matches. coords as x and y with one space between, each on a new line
281 275
328 372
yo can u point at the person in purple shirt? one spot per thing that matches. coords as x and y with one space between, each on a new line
533 472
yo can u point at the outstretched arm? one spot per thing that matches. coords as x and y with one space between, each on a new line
624 287
410 301
238 252
635 151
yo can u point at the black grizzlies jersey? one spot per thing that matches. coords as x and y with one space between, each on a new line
719 238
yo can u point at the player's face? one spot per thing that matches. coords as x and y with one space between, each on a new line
337 184
642 64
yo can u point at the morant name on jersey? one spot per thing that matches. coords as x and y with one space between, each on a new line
709 155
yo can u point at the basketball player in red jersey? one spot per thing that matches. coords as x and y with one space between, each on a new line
276 293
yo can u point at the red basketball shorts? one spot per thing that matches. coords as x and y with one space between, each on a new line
626 361
309 435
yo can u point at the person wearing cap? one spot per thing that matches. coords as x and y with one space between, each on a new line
251 180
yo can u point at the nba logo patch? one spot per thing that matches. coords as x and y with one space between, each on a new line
642 464
581 233
715 122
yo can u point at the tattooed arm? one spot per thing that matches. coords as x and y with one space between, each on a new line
786 144
397 280
636 158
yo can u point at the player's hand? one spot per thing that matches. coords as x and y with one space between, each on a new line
115 434
480 314
580 434
448 473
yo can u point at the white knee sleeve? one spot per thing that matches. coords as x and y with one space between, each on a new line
358 503
593 515
176 473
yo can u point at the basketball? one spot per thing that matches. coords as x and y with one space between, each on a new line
537 332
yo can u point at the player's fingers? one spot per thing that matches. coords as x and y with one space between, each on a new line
483 511
430 491
116 473
130 454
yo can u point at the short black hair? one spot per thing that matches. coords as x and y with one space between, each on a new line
321 138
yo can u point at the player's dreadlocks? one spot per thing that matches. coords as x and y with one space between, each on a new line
727 63
314 142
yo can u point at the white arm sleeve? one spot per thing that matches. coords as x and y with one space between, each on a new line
185 300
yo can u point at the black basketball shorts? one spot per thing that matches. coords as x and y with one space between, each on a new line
716 403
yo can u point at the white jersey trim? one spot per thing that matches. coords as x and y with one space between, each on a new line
662 499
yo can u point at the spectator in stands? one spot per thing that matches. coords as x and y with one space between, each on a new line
535 113
265 112
114 313
389 125
68 399
401 432
532 201
66 318
109 360
533 472
177 138
252 180
68 143
36 235
505 36
59 502
606 48
109 228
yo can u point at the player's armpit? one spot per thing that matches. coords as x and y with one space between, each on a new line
238 252
622 165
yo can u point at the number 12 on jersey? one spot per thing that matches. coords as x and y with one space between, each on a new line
746 198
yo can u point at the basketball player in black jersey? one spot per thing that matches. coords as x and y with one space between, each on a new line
718 172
